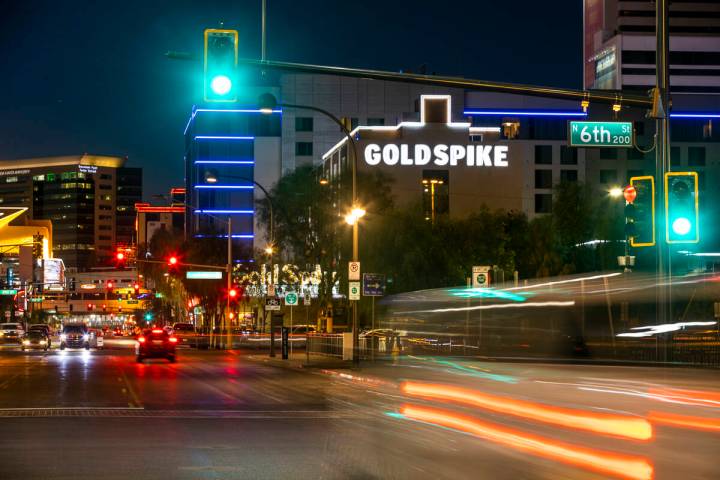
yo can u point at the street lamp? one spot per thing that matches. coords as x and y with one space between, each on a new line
267 103
615 192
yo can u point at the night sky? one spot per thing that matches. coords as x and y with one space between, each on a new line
91 76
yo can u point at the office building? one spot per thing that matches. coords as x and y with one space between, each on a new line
88 198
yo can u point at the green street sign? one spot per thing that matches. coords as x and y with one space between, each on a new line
600 134
8 292
190 275
291 298
36 299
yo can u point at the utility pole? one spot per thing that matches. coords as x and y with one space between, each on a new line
662 113
264 42
229 281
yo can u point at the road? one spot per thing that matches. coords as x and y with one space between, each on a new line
227 415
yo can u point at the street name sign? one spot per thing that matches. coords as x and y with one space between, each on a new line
291 298
203 275
600 134
373 284
272 303
353 270
10 291
354 291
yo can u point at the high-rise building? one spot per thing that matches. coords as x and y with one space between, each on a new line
88 198
619 45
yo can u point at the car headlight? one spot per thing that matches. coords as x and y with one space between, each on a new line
63 337
26 342
86 337
42 342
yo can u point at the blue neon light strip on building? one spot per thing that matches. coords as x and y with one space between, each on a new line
526 113
694 115
236 187
221 137
224 162
238 235
236 110
239 212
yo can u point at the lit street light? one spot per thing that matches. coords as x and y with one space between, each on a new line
355 214
615 192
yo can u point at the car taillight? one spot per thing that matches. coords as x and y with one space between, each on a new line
141 339
172 340
157 330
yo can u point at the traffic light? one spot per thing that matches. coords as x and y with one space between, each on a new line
109 287
682 213
148 317
643 212
233 294
220 65
172 261
136 287
120 259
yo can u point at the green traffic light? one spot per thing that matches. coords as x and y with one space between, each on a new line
221 84
681 226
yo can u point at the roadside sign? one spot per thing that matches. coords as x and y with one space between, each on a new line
353 270
480 276
133 302
10 291
271 290
291 298
307 300
354 291
600 134
373 284
272 303
203 275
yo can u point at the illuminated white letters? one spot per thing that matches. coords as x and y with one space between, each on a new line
372 154
438 155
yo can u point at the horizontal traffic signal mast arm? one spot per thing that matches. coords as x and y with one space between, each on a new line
597 96
181 264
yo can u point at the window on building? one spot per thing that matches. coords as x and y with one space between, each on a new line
105 176
568 176
543 178
104 227
436 193
568 155
543 202
106 198
303 148
11 179
635 154
104 237
696 156
675 157
608 154
543 154
375 121
303 124
608 176
105 207
105 187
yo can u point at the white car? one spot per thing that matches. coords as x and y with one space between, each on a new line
11 332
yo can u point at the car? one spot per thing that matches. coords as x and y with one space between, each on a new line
185 333
156 343
118 332
44 328
35 338
11 332
75 336
97 338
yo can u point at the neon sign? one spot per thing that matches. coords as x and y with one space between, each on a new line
439 155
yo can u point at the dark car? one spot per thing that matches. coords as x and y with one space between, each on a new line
36 338
75 336
44 328
155 343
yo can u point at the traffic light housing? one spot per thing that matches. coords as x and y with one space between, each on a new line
136 287
643 212
220 65
682 212
109 287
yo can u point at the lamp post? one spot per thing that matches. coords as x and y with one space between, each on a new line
267 103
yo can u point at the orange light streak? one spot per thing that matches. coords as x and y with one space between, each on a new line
603 423
621 466
685 421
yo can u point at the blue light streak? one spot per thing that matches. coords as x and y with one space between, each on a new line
239 212
694 115
222 137
526 113
485 293
224 162
239 235
236 187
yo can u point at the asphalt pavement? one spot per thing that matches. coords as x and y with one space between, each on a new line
238 414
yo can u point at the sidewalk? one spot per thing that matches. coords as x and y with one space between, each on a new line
299 361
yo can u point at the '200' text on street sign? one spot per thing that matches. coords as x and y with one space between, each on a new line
601 134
